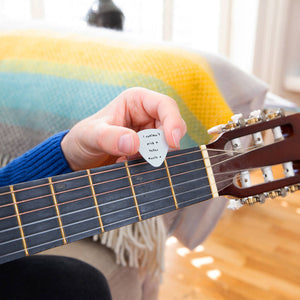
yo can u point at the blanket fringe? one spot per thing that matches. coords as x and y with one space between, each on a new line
139 245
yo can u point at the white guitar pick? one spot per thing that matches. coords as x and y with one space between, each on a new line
153 146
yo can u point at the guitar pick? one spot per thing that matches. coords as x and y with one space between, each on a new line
153 146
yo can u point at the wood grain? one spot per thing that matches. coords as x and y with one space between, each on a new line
255 251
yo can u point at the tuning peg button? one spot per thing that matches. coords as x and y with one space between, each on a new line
234 204
235 118
255 114
216 129
283 192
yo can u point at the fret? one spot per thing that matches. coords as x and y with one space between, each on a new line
133 192
38 214
76 205
13 196
114 196
152 189
46 213
57 211
209 172
11 245
189 177
95 200
171 184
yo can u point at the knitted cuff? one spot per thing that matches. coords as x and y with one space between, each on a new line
44 160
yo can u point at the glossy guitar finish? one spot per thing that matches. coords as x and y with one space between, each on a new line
284 150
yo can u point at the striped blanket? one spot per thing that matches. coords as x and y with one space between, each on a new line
49 81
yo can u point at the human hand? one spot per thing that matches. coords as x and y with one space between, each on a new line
110 135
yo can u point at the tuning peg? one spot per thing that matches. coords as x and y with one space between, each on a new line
237 121
261 198
250 200
294 188
230 125
255 117
216 129
279 113
273 194
283 192
234 204
235 118
255 114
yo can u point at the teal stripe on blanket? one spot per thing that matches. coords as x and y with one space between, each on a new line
73 99
29 97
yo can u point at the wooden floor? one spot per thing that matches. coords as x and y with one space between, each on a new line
253 253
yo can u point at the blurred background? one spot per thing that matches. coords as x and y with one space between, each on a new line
252 253
260 36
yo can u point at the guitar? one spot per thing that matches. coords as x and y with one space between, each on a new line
45 213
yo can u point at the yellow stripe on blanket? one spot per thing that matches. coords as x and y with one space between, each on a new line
187 73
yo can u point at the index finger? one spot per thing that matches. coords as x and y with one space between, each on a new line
164 110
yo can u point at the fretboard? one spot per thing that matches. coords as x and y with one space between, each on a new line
42 214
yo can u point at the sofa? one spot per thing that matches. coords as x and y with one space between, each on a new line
51 77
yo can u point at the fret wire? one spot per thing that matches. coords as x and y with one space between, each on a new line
11 187
141 163
133 191
107 181
170 182
160 209
196 189
209 171
79 199
147 213
120 210
182 173
57 211
95 200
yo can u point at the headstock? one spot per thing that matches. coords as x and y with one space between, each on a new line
275 141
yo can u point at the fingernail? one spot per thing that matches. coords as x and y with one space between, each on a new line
126 144
176 134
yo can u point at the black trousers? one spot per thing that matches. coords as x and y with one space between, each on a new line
51 277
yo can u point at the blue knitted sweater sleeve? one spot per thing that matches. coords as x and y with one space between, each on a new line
46 159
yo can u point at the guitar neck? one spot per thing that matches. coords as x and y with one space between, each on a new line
42 214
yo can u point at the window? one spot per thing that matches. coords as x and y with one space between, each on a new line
219 26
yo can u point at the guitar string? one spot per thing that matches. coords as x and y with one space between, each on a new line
101 205
224 151
216 174
147 203
119 200
112 202
94 229
95 184
123 209
107 181
97 173
127 187
78 199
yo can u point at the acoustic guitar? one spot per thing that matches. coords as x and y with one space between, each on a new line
45 213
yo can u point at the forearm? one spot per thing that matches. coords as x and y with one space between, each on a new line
46 159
